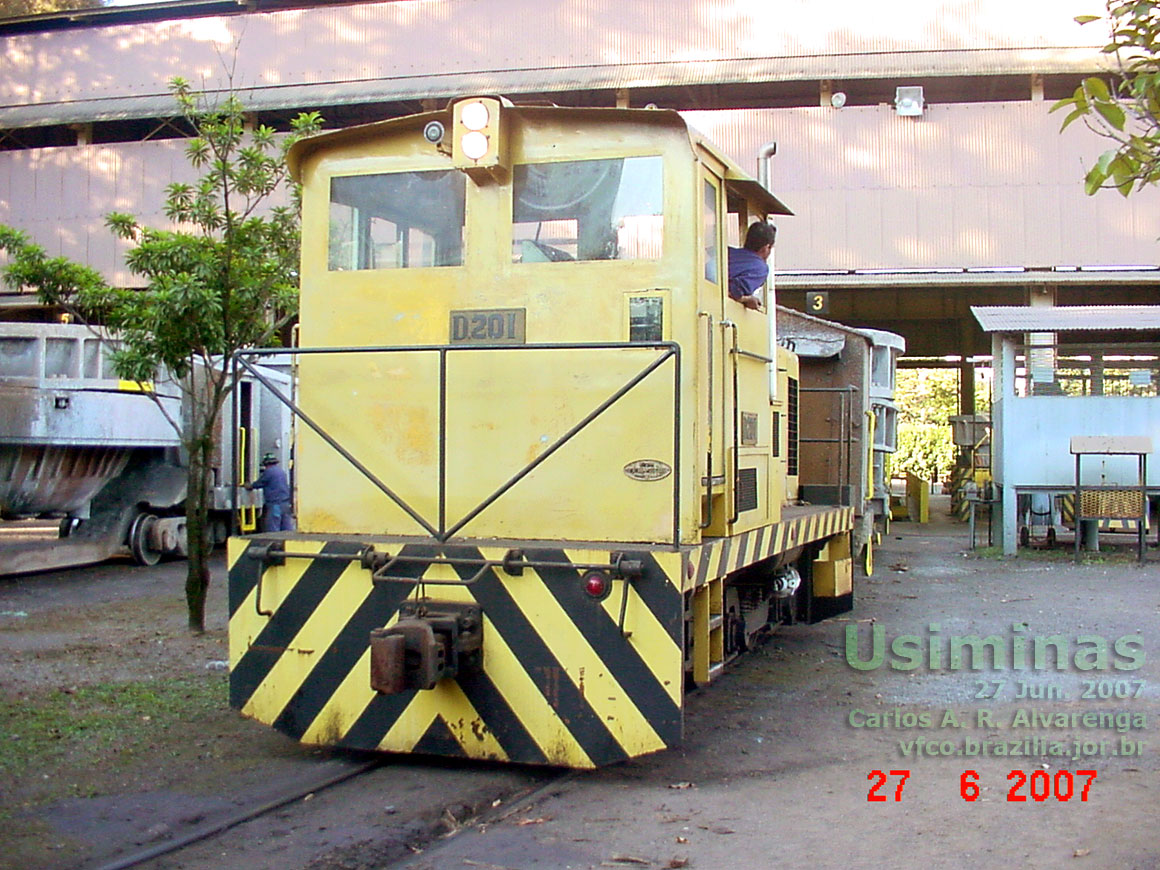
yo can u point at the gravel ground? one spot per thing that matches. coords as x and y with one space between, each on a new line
772 771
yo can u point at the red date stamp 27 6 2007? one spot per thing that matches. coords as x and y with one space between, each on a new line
1038 785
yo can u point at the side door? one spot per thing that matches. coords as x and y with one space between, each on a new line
714 416
749 356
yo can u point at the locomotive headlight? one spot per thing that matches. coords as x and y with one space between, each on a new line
478 143
597 584
474 116
474 144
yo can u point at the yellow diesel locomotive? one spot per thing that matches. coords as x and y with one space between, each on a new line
546 468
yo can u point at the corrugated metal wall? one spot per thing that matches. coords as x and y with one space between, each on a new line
426 43
965 186
60 196
985 185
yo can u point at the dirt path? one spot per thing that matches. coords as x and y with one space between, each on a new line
118 716
117 737
773 773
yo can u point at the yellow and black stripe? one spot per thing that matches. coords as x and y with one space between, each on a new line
566 679
561 683
723 556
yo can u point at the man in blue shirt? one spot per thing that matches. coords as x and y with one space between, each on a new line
276 517
749 266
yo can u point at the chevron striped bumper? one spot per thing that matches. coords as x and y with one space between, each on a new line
561 682
564 678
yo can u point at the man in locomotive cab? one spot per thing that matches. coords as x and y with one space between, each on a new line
749 266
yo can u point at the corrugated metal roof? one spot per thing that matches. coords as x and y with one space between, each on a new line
799 324
962 278
551 79
363 52
1064 318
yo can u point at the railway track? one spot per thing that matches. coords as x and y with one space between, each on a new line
215 835
213 829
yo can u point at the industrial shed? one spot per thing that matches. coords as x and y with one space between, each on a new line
1082 371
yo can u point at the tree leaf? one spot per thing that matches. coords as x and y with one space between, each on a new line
216 285
1097 88
1112 113
1078 113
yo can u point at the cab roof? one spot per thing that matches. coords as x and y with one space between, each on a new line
736 179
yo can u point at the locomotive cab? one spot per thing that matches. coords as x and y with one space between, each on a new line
556 274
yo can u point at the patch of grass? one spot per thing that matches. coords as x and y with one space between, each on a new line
103 724
986 553
1118 555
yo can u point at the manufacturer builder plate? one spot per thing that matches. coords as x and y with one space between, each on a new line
648 469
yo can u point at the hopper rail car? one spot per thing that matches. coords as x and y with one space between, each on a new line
97 455
546 466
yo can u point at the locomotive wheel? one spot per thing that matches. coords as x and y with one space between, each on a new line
799 608
868 558
139 546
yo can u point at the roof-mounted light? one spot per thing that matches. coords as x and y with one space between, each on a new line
479 145
474 144
474 116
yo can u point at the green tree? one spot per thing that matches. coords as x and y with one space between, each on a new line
927 398
20 8
1123 108
227 281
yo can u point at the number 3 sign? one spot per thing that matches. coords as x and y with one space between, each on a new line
818 302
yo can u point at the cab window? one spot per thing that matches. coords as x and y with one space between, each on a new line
608 209
709 231
398 220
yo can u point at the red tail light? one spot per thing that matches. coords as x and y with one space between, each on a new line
597 584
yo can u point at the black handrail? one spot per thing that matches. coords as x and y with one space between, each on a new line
443 533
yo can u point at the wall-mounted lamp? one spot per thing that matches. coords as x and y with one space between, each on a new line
908 101
837 99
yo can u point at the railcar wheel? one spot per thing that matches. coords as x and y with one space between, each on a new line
139 545
219 531
799 606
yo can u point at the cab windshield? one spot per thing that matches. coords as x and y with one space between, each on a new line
610 209
398 220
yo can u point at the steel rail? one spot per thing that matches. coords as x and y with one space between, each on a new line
511 803
238 818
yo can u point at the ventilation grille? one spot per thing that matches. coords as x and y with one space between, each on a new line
746 489
791 447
